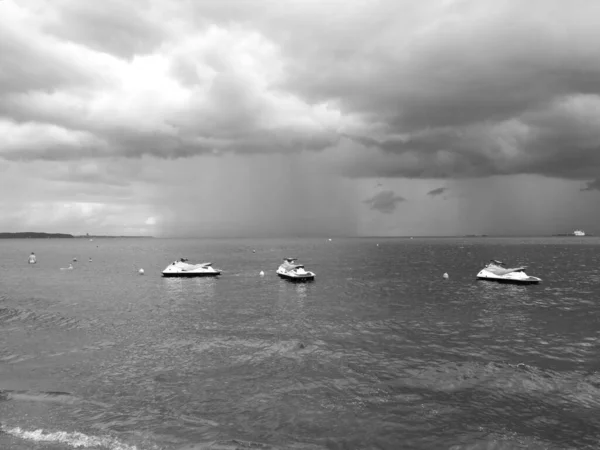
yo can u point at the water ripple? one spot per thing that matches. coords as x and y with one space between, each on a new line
379 352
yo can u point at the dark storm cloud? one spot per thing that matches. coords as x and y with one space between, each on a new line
205 109
434 89
593 185
477 91
562 140
438 191
385 201
465 63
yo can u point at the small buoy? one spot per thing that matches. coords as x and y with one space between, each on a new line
262 274
377 245
329 239
90 260
74 259
141 271
445 276
253 251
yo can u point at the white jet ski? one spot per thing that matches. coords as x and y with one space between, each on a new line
496 271
295 272
182 268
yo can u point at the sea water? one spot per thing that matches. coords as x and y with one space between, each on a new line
379 352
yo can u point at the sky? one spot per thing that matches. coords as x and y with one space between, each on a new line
300 117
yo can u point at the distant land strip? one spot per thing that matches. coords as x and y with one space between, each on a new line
34 235
90 236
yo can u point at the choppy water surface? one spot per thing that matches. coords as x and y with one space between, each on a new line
380 352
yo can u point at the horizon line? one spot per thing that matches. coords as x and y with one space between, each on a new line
407 236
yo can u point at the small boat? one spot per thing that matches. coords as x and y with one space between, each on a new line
295 272
496 271
182 268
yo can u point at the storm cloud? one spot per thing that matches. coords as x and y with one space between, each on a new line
471 91
385 201
114 94
437 191
593 185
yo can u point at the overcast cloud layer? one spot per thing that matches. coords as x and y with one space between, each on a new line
104 104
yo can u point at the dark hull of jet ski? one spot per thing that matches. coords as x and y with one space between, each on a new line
298 278
518 277
190 274
509 281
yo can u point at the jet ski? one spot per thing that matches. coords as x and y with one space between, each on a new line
183 268
496 271
295 272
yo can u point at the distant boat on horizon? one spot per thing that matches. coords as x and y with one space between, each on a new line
578 233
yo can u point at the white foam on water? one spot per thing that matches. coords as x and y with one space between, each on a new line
73 439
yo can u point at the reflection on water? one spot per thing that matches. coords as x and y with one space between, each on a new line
174 288
503 306
290 311
183 289
293 292
490 291
301 289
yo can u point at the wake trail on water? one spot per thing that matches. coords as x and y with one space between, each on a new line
72 439
83 441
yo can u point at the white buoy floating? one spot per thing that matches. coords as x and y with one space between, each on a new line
329 239
262 274
141 271
445 276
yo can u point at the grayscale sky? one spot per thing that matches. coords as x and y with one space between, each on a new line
300 117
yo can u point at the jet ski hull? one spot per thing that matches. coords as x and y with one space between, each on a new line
308 276
189 274
297 277
510 278
181 269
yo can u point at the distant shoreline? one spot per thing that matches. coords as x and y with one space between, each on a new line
41 235
35 235
111 237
